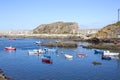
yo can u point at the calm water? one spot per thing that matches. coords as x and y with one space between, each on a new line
21 66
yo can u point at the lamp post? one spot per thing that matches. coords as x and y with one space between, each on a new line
118 14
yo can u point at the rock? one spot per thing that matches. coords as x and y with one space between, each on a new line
57 28
96 63
61 44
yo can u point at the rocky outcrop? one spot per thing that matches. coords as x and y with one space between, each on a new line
61 44
110 31
57 28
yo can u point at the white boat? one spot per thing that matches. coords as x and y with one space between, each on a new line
31 52
68 56
110 53
38 42
41 51
52 50
114 57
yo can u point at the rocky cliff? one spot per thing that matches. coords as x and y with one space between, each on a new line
57 28
110 31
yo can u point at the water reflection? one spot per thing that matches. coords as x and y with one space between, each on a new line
10 51
69 58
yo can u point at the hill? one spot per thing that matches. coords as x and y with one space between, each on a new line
57 28
110 31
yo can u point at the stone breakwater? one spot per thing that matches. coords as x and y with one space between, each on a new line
29 33
25 34
41 35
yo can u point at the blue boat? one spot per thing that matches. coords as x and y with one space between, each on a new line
99 51
53 50
47 56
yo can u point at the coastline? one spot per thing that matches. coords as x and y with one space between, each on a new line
41 35
3 76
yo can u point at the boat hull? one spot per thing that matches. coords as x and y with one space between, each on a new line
48 61
68 56
81 55
10 48
106 57
99 51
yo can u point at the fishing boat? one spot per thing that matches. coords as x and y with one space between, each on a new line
99 51
47 56
12 38
48 61
114 57
110 53
41 51
81 55
52 50
38 42
104 57
68 56
118 42
10 48
32 52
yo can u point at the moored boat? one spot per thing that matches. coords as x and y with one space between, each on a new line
99 51
12 38
41 51
48 61
118 42
104 57
81 55
68 56
47 56
32 52
38 42
10 48
110 53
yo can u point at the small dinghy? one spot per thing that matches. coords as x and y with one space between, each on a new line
81 55
47 61
68 56
104 57
10 48
99 51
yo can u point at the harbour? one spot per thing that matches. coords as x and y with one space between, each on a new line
19 65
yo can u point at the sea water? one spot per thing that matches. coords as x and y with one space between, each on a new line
19 65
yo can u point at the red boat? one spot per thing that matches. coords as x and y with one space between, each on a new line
48 61
81 55
12 39
10 48
118 42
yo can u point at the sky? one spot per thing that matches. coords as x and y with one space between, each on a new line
28 14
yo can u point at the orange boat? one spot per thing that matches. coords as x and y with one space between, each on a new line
10 48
